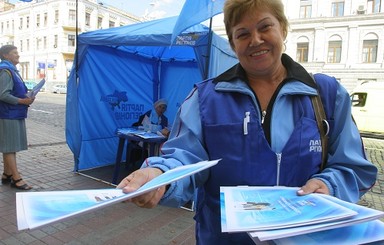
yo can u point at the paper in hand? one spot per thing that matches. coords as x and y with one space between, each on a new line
36 89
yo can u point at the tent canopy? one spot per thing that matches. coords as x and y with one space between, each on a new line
122 71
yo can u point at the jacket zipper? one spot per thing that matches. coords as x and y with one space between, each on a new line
278 156
263 114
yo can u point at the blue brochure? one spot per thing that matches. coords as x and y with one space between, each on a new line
364 214
36 209
268 208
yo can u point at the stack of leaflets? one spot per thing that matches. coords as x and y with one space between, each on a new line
140 133
279 215
35 209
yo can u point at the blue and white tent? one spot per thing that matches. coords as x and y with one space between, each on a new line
121 72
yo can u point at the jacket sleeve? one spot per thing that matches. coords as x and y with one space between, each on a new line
6 86
348 174
184 146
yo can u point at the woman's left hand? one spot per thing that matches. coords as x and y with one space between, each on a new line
313 186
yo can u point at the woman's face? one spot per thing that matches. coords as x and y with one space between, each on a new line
161 109
13 56
258 41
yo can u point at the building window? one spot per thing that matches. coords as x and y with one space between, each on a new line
100 22
370 51
45 19
38 40
21 23
27 44
27 22
44 42
87 19
373 6
111 24
21 46
55 41
38 20
337 9
305 9
56 16
72 15
302 52
71 40
334 49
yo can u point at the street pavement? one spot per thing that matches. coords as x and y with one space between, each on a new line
48 165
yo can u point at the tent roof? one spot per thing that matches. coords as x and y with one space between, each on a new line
151 33
150 39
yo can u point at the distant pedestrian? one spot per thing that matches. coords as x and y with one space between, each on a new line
14 104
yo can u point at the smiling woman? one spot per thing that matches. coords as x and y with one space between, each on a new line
268 107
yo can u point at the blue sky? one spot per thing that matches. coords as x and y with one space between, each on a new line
152 8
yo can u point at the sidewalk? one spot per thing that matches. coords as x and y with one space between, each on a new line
48 165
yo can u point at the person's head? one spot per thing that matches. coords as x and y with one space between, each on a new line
235 10
256 31
9 52
160 106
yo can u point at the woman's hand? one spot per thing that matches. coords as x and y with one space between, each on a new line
26 100
138 178
165 132
313 186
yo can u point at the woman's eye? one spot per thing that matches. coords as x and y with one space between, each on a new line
241 35
266 27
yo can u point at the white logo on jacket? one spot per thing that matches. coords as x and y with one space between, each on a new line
315 146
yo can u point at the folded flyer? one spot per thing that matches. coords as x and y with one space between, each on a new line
35 209
36 88
254 208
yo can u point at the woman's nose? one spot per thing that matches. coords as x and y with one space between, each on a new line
256 39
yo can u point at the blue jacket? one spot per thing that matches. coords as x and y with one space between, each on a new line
9 111
210 125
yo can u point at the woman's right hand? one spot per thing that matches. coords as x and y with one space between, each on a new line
137 179
26 100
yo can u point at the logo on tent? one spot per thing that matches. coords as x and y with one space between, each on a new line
115 99
121 110
187 39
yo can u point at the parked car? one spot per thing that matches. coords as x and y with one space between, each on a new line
367 106
30 84
60 89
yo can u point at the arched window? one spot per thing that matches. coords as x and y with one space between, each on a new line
334 49
370 44
302 49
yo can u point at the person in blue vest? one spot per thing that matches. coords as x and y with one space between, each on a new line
257 117
14 104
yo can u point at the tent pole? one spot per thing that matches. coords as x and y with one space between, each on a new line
206 71
76 50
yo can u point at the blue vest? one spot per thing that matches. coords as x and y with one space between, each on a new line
248 159
9 111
